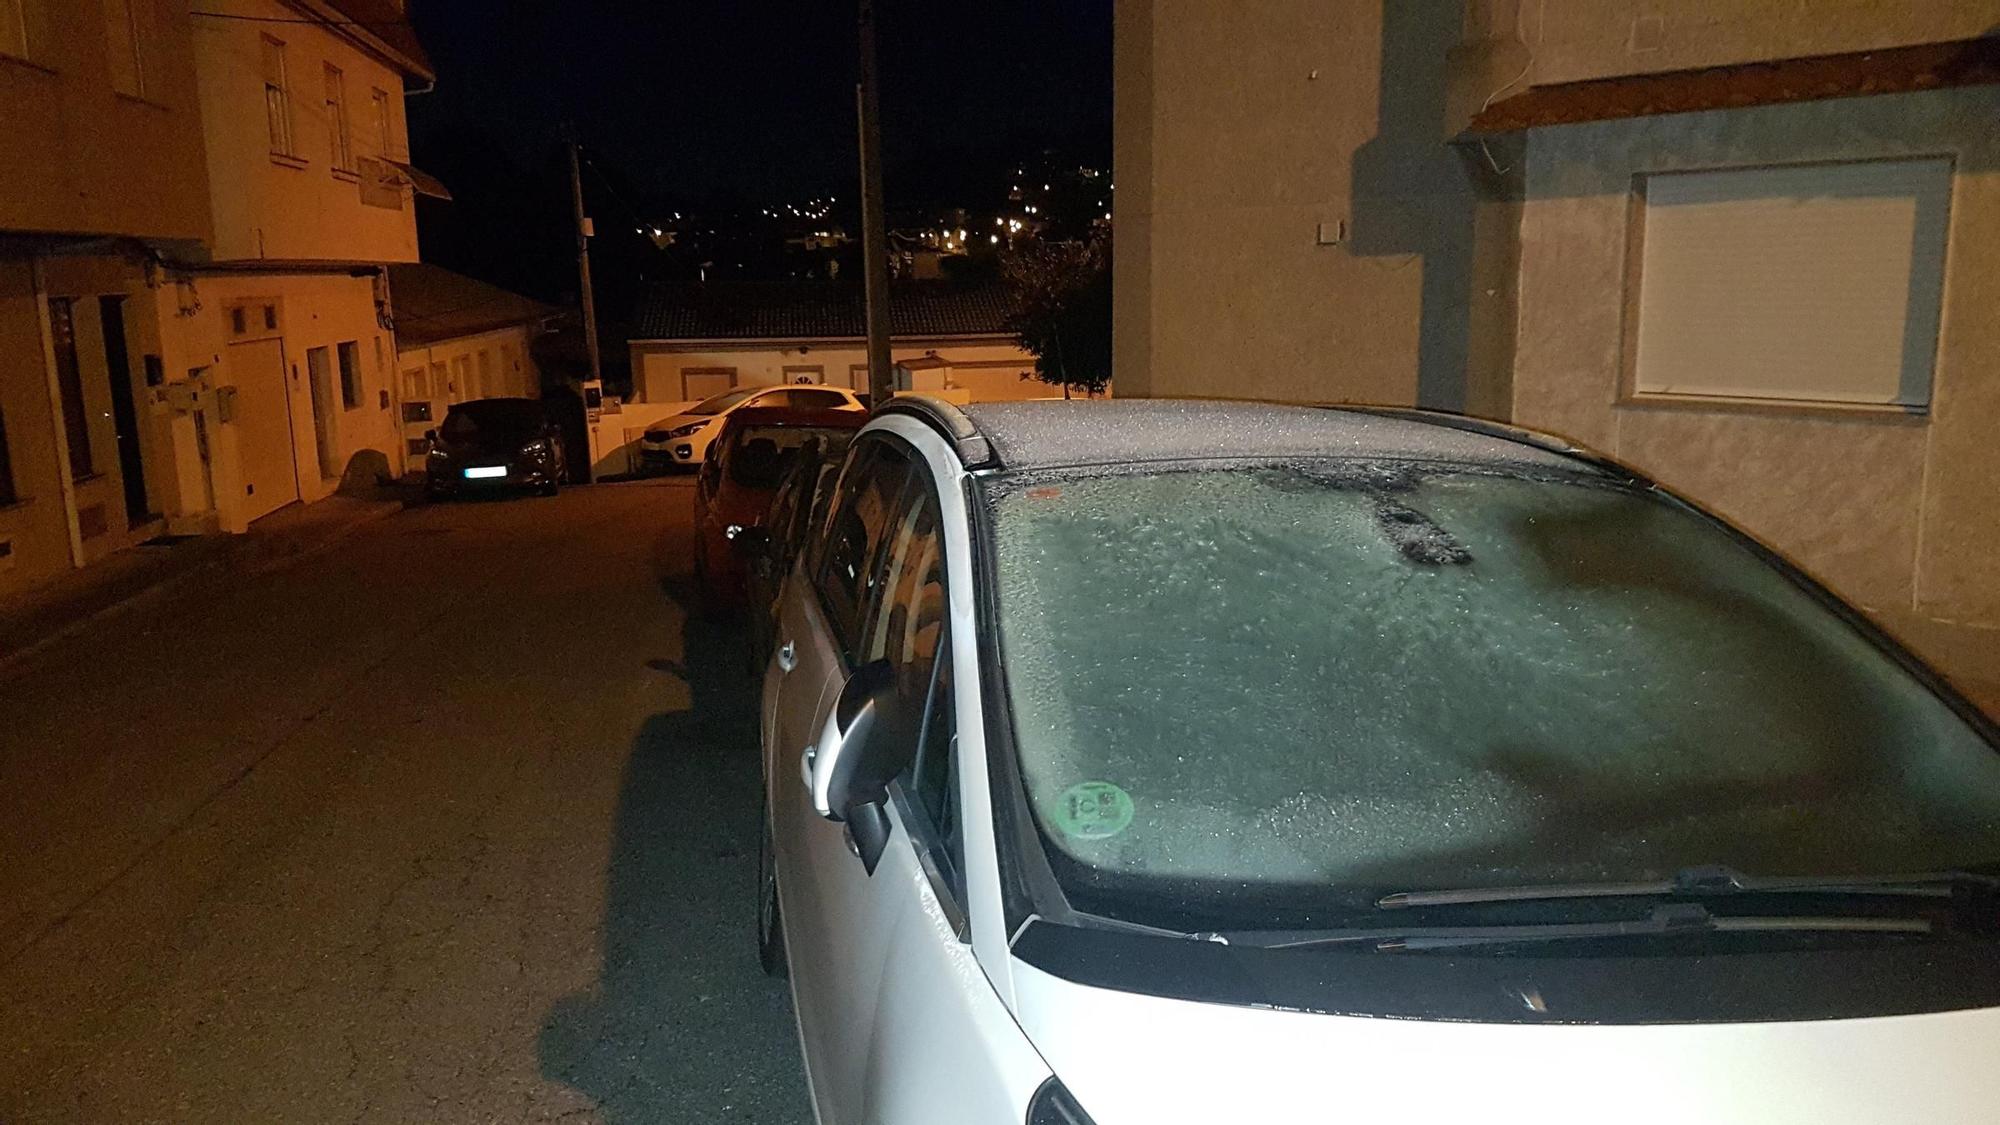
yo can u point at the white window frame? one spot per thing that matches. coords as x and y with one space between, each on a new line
133 40
14 43
1896 207
385 121
340 135
277 98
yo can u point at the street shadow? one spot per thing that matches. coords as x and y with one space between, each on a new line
681 1024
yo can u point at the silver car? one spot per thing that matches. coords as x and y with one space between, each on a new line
1162 761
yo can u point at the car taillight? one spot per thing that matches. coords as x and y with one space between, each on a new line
1053 1105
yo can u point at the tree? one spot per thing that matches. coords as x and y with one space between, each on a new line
1062 309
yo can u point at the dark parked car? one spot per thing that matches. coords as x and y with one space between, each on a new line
757 449
495 443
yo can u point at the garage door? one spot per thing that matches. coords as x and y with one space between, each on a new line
263 422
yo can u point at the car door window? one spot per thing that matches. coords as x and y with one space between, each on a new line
907 628
818 400
846 573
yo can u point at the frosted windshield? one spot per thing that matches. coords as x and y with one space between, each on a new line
1394 676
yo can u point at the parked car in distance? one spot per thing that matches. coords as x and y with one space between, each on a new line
493 444
683 440
757 449
1152 761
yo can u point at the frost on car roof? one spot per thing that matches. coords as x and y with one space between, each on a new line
1047 434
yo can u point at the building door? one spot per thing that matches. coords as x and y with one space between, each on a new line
124 412
319 377
262 417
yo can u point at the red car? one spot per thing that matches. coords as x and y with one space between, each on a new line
758 447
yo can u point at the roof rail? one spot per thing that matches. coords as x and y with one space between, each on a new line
949 421
1504 431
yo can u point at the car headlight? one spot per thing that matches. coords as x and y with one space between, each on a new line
683 431
1053 1105
535 448
436 453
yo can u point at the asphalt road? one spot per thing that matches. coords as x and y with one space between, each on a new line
454 822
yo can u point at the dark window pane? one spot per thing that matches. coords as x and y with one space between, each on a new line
239 321
867 493
69 384
7 493
350 374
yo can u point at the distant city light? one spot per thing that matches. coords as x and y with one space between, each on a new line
993 238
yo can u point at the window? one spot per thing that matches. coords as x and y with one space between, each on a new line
385 123
7 493
126 38
1816 282
339 137
277 102
804 373
487 388
932 781
254 318
907 628
1750 726
817 400
69 386
867 491
14 28
350 375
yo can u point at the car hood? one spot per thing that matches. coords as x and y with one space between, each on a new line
675 421
1133 1059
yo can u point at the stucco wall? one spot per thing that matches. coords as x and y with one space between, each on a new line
1574 40
991 369
76 156
1899 512
320 310
36 527
1248 138
302 208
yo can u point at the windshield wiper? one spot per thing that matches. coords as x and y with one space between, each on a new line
1707 881
1663 921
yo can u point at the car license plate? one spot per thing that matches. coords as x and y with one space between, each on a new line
485 472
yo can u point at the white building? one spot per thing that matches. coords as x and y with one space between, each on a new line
459 339
276 343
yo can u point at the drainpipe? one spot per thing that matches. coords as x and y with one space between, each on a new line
54 389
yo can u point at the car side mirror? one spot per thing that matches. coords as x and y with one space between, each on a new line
430 435
865 744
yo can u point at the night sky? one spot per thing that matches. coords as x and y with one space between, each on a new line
752 102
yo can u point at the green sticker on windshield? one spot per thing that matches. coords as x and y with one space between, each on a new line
1093 810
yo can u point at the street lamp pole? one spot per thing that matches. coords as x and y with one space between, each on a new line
874 226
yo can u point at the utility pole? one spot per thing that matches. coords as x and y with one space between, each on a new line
874 227
583 233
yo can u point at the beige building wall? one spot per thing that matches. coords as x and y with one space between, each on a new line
34 530
989 369
299 205
207 362
83 151
1290 223
1577 40
1898 510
